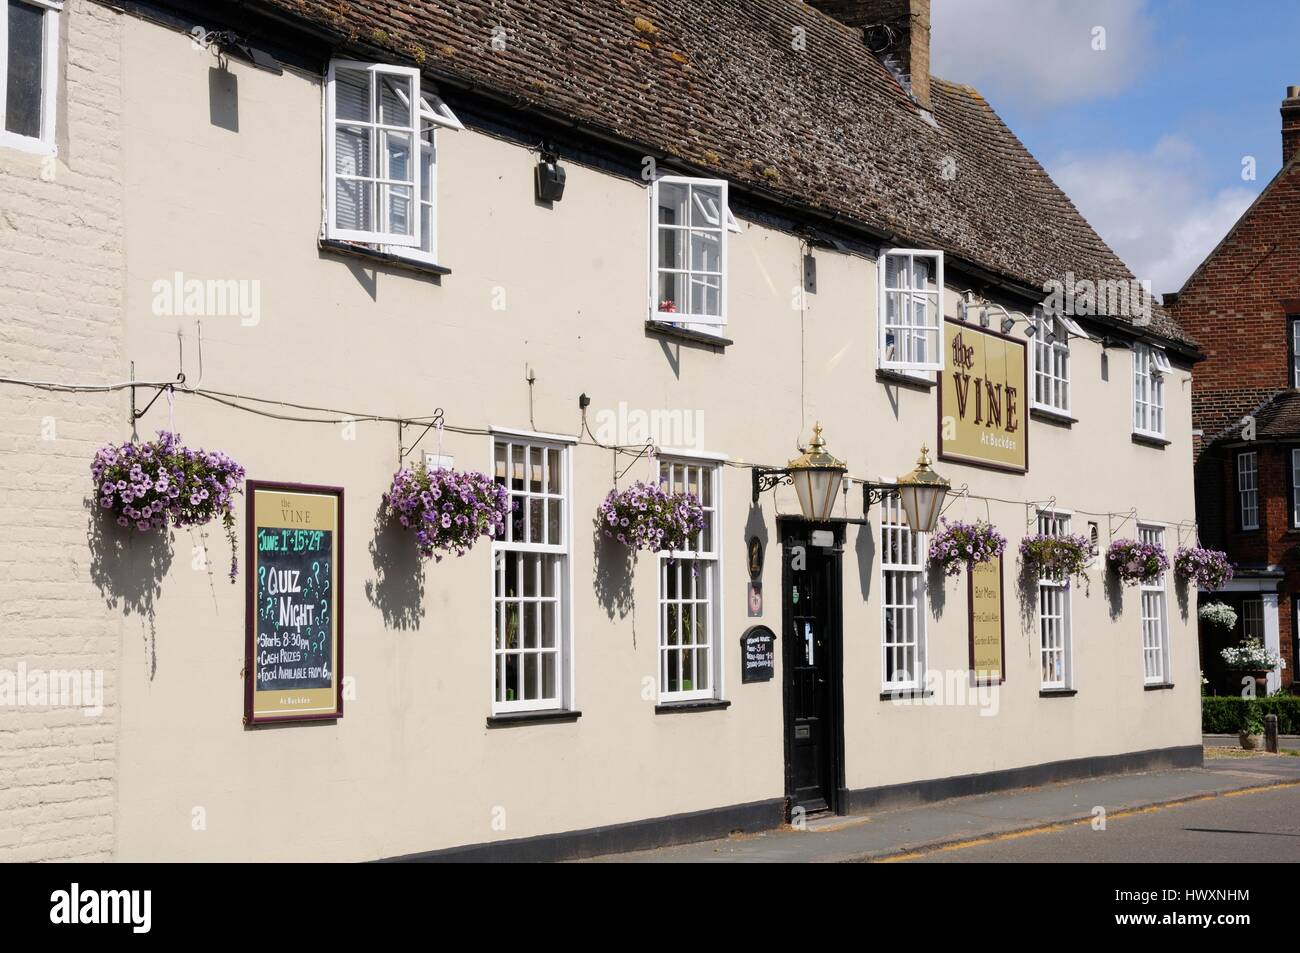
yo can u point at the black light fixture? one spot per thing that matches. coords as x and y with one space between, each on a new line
549 177
1007 324
815 474
920 492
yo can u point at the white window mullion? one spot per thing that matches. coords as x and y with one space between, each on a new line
909 310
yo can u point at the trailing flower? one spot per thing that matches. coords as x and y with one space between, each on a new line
447 510
1208 568
961 544
1220 615
1055 557
1251 656
1136 561
162 483
649 517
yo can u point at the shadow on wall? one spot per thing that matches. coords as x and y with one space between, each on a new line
865 547
1027 597
937 588
612 572
1182 592
397 590
1114 593
128 567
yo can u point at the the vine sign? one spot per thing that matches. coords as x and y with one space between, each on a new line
294 615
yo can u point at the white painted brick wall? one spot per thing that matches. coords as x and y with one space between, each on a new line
62 273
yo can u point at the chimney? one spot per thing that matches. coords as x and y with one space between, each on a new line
896 31
1290 123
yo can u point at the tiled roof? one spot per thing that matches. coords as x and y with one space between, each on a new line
720 84
1276 418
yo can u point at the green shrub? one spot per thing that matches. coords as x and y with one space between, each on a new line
1228 714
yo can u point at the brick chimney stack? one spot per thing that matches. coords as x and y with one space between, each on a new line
1290 123
897 31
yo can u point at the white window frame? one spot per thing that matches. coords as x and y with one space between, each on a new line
1154 611
1150 367
433 113
674 562
505 548
1252 618
1295 487
725 225
934 309
410 76
1055 630
44 143
1049 364
895 604
1248 489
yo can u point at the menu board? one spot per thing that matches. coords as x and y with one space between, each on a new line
757 654
987 648
294 637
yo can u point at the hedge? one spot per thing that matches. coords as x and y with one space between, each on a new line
1226 714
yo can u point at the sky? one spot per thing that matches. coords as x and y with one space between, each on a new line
1159 118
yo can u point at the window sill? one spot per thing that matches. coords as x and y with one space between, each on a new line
510 719
1048 416
1158 686
28 144
1057 692
1150 440
353 250
686 335
702 704
905 693
903 380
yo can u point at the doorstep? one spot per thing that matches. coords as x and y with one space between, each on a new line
900 831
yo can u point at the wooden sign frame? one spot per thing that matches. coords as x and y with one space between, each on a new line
941 378
1002 624
251 489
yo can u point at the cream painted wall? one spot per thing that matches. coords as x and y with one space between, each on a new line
412 766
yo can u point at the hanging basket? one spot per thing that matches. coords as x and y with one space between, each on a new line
1207 569
648 517
447 510
1055 557
1137 562
959 545
149 486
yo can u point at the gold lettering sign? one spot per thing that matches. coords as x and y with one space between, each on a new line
984 588
982 399
294 639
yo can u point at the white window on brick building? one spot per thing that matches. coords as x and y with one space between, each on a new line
29 55
910 310
381 158
1248 490
902 579
1054 612
532 577
1295 488
1252 619
1150 366
1155 624
689 222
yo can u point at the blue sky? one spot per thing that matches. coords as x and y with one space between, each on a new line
1148 134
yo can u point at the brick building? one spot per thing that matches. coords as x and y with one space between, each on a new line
1243 305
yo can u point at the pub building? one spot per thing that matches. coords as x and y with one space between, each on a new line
724 247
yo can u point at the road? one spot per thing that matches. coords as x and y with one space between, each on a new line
1253 826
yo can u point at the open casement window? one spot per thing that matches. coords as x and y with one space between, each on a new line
1150 365
1050 362
911 310
688 250
1155 626
380 156
29 58
689 617
1054 612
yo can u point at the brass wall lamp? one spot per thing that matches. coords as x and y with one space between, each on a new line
815 474
921 493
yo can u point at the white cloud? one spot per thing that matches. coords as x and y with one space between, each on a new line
1153 208
1040 53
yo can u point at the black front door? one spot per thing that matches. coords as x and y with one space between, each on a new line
811 659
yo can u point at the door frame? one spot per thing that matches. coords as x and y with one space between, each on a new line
790 530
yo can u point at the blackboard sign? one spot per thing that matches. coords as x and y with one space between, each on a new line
757 654
294 639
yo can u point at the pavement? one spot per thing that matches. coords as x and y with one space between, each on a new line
1064 811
